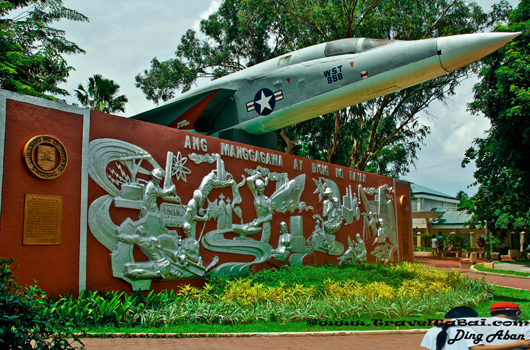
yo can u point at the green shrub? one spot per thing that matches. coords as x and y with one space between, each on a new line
288 294
25 322
426 239
422 249
308 276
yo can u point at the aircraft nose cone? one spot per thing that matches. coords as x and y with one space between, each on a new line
460 50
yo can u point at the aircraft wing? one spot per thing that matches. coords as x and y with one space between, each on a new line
191 112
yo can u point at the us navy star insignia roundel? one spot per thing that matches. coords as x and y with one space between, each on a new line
264 101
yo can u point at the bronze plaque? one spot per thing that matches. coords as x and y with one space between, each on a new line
42 219
404 204
45 157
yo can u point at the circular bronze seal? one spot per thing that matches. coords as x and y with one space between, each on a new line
45 157
404 204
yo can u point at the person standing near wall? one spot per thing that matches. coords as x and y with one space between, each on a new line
440 240
434 245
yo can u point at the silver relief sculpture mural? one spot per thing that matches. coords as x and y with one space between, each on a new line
380 221
334 213
356 251
171 232
171 257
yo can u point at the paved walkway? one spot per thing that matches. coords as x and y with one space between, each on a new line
357 342
448 264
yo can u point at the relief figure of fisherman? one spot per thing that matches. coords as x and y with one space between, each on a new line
158 264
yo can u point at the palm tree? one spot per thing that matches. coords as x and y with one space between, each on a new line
100 95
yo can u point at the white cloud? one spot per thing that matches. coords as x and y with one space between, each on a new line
214 5
122 38
452 133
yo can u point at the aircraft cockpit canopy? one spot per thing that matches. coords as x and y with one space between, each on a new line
341 47
332 48
369 44
354 45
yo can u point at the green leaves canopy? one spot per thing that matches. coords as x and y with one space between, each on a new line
99 95
31 51
502 158
381 135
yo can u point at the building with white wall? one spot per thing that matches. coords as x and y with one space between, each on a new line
434 212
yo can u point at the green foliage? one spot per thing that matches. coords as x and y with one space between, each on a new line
456 240
100 95
310 276
293 294
426 239
502 157
422 249
314 276
31 51
93 308
465 202
382 135
495 242
25 321
521 297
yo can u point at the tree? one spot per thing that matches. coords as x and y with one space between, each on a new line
465 202
100 95
31 51
502 156
381 135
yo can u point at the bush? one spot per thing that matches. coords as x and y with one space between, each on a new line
25 322
426 239
307 276
422 249
288 294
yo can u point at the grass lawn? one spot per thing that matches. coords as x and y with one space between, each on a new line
480 267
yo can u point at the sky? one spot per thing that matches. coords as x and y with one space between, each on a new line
122 38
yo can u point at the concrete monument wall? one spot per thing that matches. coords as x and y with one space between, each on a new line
91 200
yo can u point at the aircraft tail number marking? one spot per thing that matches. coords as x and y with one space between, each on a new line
333 75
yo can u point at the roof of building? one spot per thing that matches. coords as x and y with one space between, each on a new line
452 216
418 190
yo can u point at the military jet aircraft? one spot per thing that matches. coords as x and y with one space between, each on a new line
319 79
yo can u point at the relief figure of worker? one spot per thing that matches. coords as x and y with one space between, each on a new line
256 183
153 191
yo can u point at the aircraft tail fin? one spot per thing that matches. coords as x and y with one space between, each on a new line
185 113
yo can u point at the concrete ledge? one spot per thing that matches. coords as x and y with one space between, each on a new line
228 335
424 254
489 265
